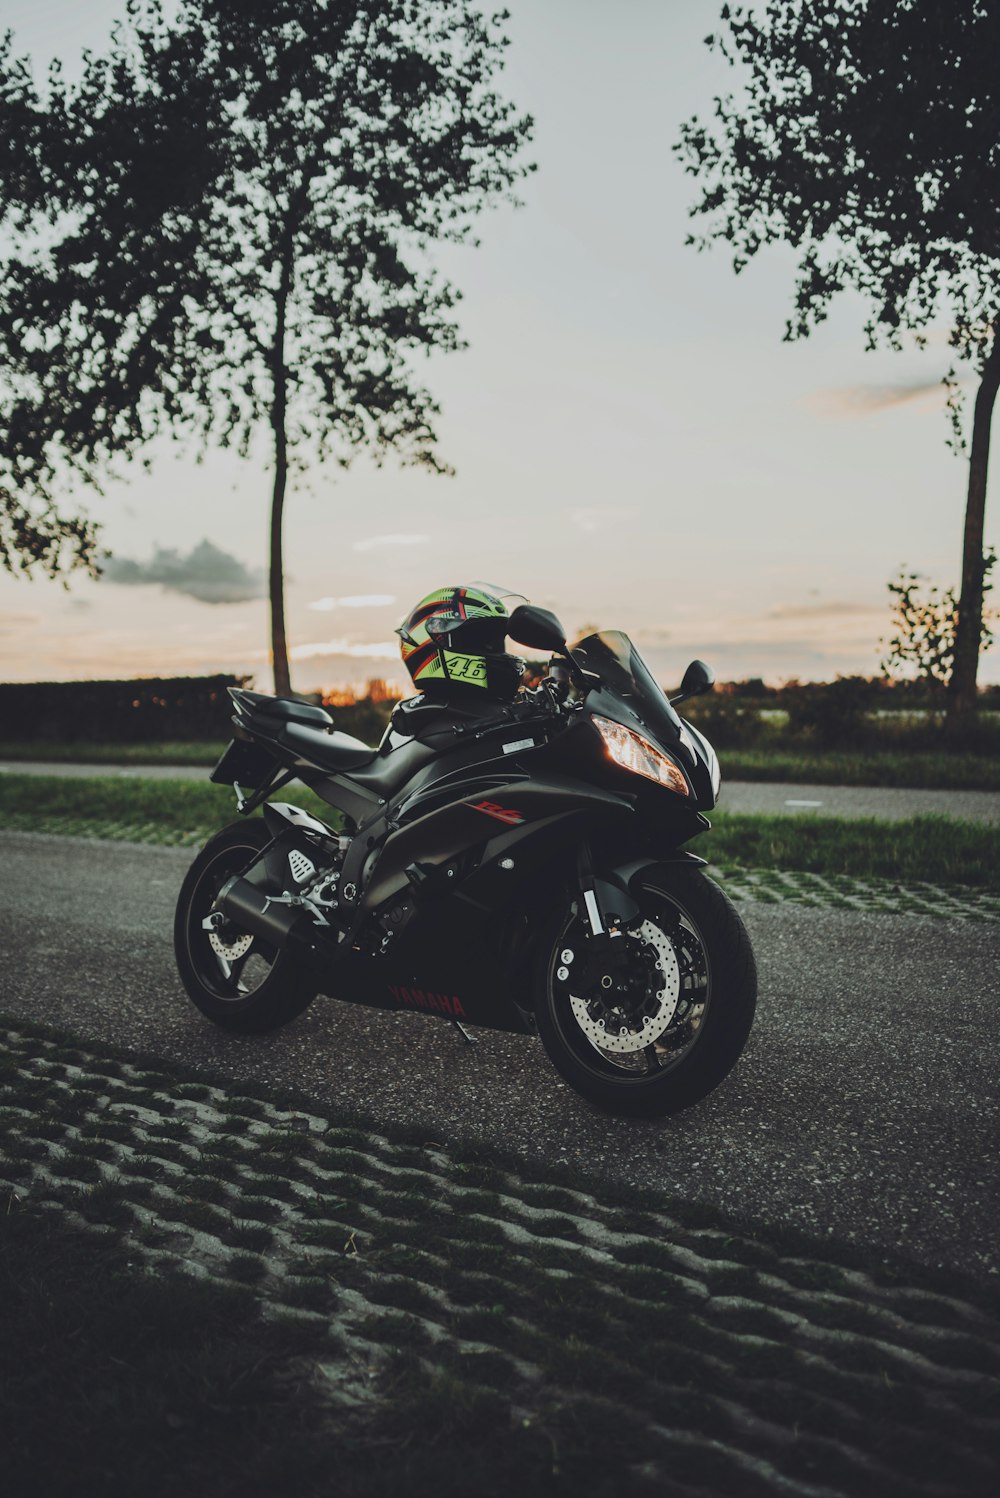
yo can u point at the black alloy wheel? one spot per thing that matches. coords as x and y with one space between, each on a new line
651 1021
236 979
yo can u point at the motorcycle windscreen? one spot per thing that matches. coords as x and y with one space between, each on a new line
614 660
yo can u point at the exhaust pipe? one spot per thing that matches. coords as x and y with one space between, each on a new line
250 908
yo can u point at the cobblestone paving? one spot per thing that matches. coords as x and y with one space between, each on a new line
741 1360
844 892
108 830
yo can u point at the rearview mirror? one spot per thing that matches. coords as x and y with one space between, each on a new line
698 678
536 628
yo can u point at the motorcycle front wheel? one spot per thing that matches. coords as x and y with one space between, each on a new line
652 1021
237 980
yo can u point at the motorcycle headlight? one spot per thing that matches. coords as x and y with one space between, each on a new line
634 752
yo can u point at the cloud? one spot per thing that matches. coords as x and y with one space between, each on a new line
864 400
206 573
836 608
596 519
378 650
358 601
375 543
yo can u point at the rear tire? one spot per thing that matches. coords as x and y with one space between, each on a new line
717 993
261 988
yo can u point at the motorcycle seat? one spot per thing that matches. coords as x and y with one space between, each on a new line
334 752
282 709
388 771
339 754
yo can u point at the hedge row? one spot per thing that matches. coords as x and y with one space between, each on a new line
124 712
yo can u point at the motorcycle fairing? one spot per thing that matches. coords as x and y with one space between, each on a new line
465 955
468 983
394 774
459 825
493 865
471 982
610 657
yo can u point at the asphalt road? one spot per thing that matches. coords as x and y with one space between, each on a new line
888 803
864 1105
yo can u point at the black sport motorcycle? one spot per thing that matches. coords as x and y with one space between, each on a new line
516 866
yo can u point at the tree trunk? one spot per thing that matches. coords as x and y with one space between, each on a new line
279 411
276 580
962 700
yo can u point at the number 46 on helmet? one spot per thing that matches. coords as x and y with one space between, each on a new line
456 637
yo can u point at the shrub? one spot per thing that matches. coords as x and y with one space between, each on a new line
730 722
832 714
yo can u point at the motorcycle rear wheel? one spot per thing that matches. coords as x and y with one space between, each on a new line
690 934
248 985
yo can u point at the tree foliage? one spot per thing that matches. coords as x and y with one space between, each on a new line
225 226
34 533
36 536
924 621
866 135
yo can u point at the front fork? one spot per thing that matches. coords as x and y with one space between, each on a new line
607 904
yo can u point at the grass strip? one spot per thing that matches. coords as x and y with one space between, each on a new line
86 752
176 811
934 850
665 1344
914 769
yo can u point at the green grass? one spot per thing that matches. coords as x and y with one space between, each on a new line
936 850
914 769
176 752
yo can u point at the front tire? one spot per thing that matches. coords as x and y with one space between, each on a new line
672 1000
238 981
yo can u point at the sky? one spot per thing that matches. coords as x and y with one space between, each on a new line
635 445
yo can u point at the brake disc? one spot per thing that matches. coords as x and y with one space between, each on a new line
229 951
616 1033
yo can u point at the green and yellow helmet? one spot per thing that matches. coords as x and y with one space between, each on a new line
456 637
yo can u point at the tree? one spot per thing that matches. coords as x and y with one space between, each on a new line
925 625
33 532
226 228
867 137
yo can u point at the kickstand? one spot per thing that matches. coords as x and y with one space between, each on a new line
469 1039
